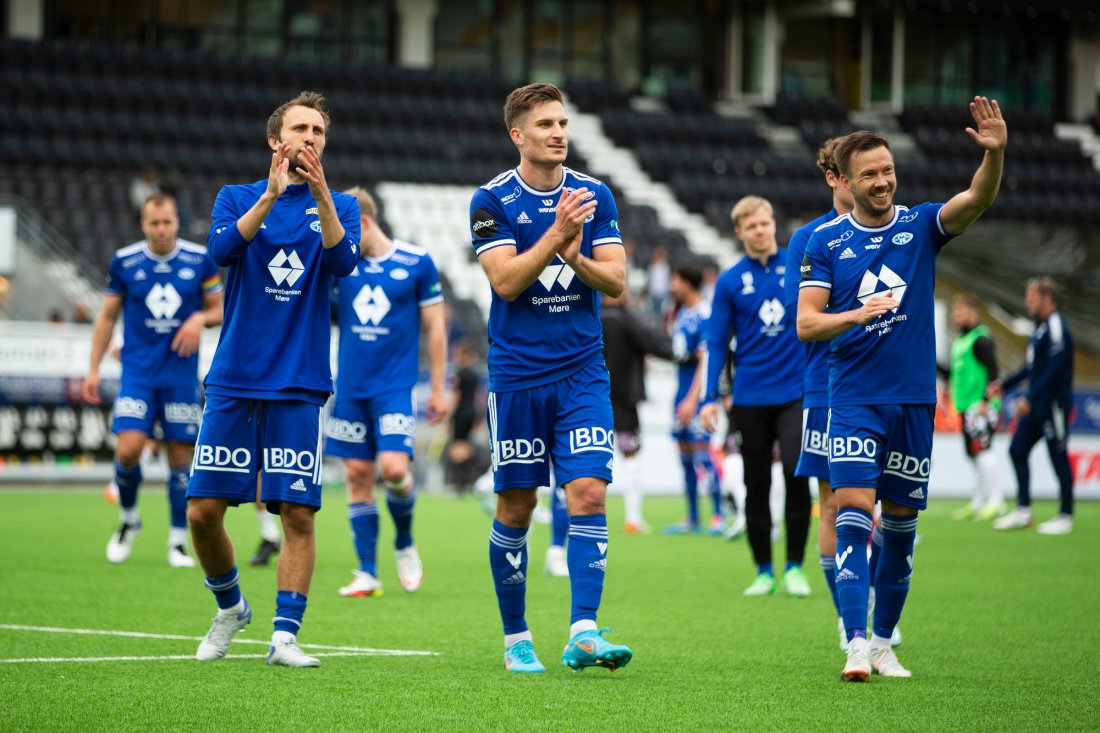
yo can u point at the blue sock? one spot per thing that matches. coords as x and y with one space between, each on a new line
560 516
401 509
128 480
691 487
290 606
853 580
876 551
226 588
508 562
895 566
587 560
364 534
177 495
791 564
705 463
765 568
828 567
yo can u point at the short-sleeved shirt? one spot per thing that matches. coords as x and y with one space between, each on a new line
688 336
158 294
552 329
379 314
815 382
891 360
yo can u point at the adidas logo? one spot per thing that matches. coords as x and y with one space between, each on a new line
298 485
140 275
917 493
286 268
515 578
600 564
846 574
523 218
847 254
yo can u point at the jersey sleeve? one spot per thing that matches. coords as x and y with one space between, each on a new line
343 256
115 284
816 269
605 226
428 289
936 233
796 248
489 227
718 336
224 242
211 276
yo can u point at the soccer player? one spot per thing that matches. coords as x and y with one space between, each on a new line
382 305
867 283
1043 410
689 349
767 389
626 343
283 241
973 367
167 290
814 459
548 240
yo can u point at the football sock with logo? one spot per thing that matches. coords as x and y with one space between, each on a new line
691 487
290 606
401 509
853 581
876 551
895 566
714 484
364 533
559 518
508 563
587 560
226 588
128 479
177 496
828 568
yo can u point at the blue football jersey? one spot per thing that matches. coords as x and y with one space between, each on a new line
379 314
815 382
553 328
276 336
688 335
891 360
158 294
748 305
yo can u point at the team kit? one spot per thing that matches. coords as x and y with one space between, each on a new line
835 338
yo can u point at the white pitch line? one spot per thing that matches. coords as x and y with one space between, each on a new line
179 637
168 657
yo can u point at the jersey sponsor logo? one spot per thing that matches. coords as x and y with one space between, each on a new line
518 450
548 202
516 193
483 224
807 268
908 467
833 244
394 423
908 218
371 305
315 225
548 206
594 438
187 274
523 218
141 275
188 413
847 254
746 284
312 210
222 458
399 274
346 430
163 301
131 407
876 240
771 313
286 268
404 259
854 448
871 246
869 286
288 460
902 238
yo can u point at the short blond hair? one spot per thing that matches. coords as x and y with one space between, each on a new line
367 205
749 205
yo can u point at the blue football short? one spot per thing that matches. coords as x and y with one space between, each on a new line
177 409
568 422
240 437
888 447
693 432
363 428
813 462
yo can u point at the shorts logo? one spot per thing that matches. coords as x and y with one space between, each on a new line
346 430
519 450
288 460
371 305
582 440
220 458
394 423
182 412
298 485
286 268
163 301
853 448
816 442
909 468
130 407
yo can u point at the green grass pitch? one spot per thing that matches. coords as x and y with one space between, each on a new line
1002 632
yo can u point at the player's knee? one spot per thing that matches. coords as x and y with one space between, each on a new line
395 472
202 516
587 496
515 507
297 519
